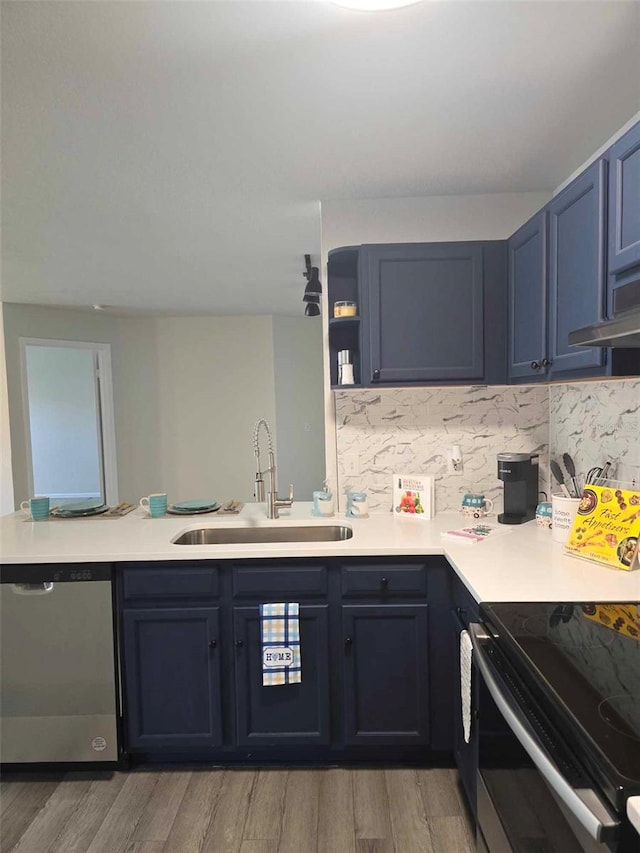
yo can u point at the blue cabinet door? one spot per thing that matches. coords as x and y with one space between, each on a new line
172 678
527 277
386 676
577 241
624 202
291 714
425 309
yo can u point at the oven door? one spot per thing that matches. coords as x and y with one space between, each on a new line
532 792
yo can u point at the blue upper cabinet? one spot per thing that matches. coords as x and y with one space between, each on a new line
624 203
577 250
426 314
557 282
527 258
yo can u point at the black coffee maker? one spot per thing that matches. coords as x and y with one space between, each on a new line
519 473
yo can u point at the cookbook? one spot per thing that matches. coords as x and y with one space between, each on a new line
606 528
413 496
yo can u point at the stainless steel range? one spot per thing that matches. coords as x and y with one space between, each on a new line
560 757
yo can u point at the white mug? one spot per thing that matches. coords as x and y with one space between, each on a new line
563 512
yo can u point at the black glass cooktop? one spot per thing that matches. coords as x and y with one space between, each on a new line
584 661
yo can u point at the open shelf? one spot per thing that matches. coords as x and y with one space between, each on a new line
344 332
337 322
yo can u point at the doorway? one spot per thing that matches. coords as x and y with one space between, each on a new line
69 419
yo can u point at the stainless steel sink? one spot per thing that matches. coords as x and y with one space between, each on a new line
247 535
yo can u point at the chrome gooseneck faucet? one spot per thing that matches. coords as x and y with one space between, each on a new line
274 503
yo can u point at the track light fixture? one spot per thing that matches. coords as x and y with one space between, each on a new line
313 288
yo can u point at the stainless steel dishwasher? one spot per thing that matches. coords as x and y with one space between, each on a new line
58 699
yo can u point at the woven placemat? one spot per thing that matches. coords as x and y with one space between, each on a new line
227 508
113 512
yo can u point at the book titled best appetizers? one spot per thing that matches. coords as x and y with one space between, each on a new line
606 528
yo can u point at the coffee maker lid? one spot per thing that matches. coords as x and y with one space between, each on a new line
516 457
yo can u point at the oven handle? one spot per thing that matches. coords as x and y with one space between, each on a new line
583 803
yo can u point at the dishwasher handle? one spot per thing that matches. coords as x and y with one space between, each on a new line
32 588
583 803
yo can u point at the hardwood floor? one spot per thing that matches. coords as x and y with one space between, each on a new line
235 811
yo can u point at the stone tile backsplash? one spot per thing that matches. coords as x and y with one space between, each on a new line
380 432
596 422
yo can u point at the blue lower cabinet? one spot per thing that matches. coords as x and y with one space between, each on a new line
172 678
291 714
386 674
192 672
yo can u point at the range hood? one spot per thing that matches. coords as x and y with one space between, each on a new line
623 330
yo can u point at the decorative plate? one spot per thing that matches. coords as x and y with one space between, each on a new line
77 510
193 507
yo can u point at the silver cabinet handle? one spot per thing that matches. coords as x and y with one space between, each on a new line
32 588
583 803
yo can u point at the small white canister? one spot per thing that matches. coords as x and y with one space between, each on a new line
563 513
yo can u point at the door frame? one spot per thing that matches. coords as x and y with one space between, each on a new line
105 409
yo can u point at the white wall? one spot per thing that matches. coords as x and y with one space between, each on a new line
409 220
6 472
215 376
133 356
428 219
298 370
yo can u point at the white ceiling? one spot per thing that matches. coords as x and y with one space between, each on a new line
171 156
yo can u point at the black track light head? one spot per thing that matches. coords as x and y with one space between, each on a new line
311 309
311 297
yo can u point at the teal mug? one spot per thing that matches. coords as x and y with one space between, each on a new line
36 508
155 505
544 513
476 506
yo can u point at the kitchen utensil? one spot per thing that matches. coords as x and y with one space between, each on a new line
571 471
556 470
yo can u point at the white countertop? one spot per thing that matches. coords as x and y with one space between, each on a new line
523 565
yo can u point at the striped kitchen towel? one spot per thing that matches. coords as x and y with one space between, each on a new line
280 632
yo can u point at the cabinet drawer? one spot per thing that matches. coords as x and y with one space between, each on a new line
384 580
285 582
175 582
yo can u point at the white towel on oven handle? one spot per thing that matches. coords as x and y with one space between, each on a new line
466 652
